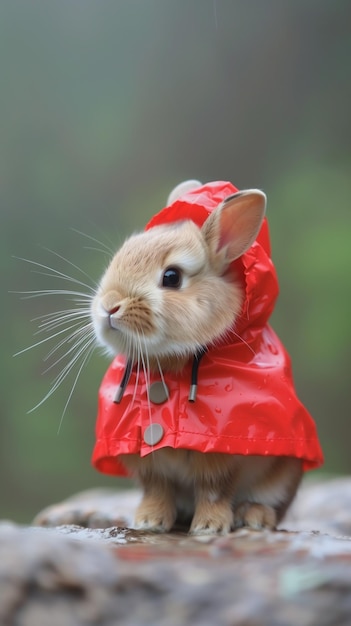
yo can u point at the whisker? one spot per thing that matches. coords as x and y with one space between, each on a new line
54 314
76 345
61 314
57 273
146 368
97 229
88 339
84 361
76 267
101 243
56 322
39 343
57 381
67 278
243 341
68 339
70 330
134 354
35 293
161 372
81 301
64 373
136 378
148 380
101 250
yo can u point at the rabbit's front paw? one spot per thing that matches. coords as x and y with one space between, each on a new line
155 515
255 516
212 518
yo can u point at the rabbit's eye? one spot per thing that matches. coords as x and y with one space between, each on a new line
172 278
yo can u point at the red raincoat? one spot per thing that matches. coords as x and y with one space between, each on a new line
246 402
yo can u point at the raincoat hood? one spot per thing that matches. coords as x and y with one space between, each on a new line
254 269
246 402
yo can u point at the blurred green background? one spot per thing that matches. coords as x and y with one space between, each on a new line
105 106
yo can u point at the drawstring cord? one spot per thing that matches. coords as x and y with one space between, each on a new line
194 373
124 382
194 376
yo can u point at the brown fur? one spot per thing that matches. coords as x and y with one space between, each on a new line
161 329
217 492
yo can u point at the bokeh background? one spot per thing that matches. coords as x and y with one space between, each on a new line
105 106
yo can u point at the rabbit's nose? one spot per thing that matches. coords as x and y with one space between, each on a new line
114 309
111 302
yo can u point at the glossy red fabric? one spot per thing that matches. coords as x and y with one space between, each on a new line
246 402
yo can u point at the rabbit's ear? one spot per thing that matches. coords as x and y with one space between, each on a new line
181 189
233 227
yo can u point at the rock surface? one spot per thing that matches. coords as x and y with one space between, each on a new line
70 575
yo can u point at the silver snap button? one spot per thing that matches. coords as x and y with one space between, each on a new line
158 392
153 434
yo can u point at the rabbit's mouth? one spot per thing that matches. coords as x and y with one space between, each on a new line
113 323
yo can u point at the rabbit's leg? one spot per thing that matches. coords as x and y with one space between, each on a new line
270 497
213 510
157 510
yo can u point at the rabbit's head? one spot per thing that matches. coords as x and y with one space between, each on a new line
170 290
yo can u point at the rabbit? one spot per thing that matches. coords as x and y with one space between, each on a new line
170 296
